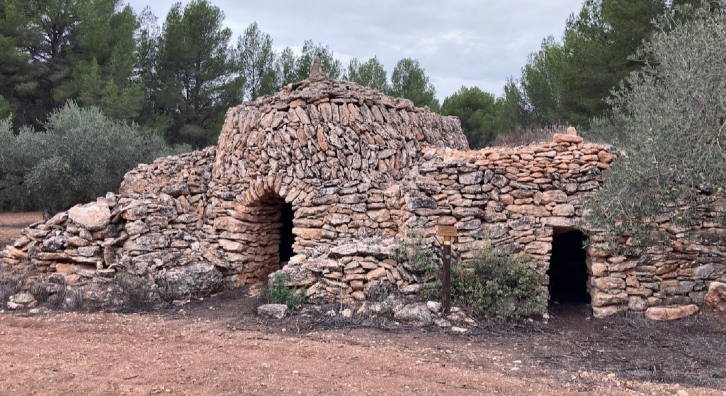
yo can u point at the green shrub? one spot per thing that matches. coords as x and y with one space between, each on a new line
81 155
669 120
497 285
10 284
492 284
279 293
418 256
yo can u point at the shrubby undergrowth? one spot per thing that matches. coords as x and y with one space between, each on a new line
81 155
668 120
492 284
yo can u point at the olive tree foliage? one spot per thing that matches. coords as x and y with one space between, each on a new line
80 155
669 124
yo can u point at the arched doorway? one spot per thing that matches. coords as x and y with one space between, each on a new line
568 268
287 238
267 239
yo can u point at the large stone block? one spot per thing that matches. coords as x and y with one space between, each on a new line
93 216
716 296
670 312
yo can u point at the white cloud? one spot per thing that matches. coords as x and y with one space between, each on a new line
458 42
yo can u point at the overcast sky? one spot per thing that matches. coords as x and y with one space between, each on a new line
458 42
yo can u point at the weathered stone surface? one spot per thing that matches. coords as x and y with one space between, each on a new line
670 312
272 311
602 299
22 298
471 178
192 280
716 296
562 138
93 216
415 314
564 210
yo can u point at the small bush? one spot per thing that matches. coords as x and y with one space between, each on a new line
418 257
279 293
81 155
380 291
498 285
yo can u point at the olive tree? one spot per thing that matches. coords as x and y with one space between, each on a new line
668 121
82 154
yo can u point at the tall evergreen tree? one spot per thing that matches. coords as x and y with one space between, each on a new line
477 111
52 51
600 41
409 80
256 62
370 73
543 84
196 73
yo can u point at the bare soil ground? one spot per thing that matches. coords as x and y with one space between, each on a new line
12 223
218 346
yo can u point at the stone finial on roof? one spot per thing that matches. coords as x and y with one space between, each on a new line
316 71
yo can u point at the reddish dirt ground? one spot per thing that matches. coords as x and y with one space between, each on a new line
12 223
218 346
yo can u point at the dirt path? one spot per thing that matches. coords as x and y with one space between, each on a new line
12 223
202 351
218 346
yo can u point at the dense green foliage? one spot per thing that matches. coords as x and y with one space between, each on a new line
279 293
498 285
81 155
668 118
52 51
409 80
369 73
477 111
493 284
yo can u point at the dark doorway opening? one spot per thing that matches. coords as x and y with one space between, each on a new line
568 268
287 238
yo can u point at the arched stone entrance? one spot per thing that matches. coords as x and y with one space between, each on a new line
568 276
287 237
258 238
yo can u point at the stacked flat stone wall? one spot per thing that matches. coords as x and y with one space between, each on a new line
510 199
155 222
677 273
334 150
362 172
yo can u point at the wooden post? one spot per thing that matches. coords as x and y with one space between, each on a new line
446 277
448 233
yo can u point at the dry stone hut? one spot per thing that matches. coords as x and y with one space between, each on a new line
324 179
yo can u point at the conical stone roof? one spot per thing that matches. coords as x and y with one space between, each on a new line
322 130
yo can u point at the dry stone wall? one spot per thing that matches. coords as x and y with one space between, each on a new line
510 199
154 224
670 279
333 150
360 172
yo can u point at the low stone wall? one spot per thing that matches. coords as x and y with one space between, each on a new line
154 223
507 198
676 273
